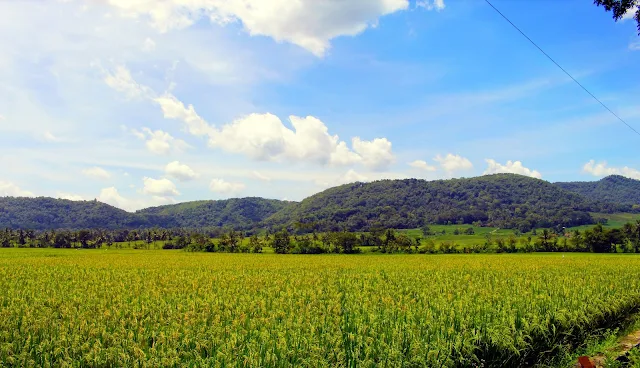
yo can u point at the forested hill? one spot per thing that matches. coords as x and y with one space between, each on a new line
239 213
47 213
615 189
502 200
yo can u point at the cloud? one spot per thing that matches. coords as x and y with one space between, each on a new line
634 46
512 167
97 173
225 187
8 189
122 81
375 154
159 142
159 187
180 171
265 137
451 163
631 13
352 176
112 197
601 169
172 108
260 176
69 196
422 165
431 4
310 24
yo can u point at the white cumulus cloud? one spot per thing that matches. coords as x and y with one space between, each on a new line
375 154
422 165
159 142
69 196
265 137
159 187
112 197
452 163
512 167
8 189
180 171
602 169
96 173
311 24
224 187
121 80
172 108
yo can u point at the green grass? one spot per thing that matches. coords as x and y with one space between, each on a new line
126 307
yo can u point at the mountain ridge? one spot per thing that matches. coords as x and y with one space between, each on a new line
504 200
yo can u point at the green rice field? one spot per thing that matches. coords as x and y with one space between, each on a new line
171 308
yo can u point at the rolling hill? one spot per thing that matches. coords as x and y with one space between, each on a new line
501 200
44 213
613 189
239 213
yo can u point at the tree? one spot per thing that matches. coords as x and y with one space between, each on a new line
635 237
620 8
596 240
346 242
577 240
426 230
256 245
281 242
83 237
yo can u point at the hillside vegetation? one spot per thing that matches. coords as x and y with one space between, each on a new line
47 213
614 189
502 200
239 213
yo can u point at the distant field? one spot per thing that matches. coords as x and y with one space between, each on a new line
169 308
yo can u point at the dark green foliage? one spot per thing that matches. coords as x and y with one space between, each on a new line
613 189
503 200
47 213
620 8
281 242
237 213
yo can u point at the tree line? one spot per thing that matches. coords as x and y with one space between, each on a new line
596 239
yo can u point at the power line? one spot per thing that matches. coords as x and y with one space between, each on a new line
561 68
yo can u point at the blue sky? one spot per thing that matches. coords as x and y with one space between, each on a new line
142 103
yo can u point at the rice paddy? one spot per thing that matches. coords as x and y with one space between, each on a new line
173 308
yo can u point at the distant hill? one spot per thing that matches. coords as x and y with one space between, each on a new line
47 213
501 200
614 189
239 213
